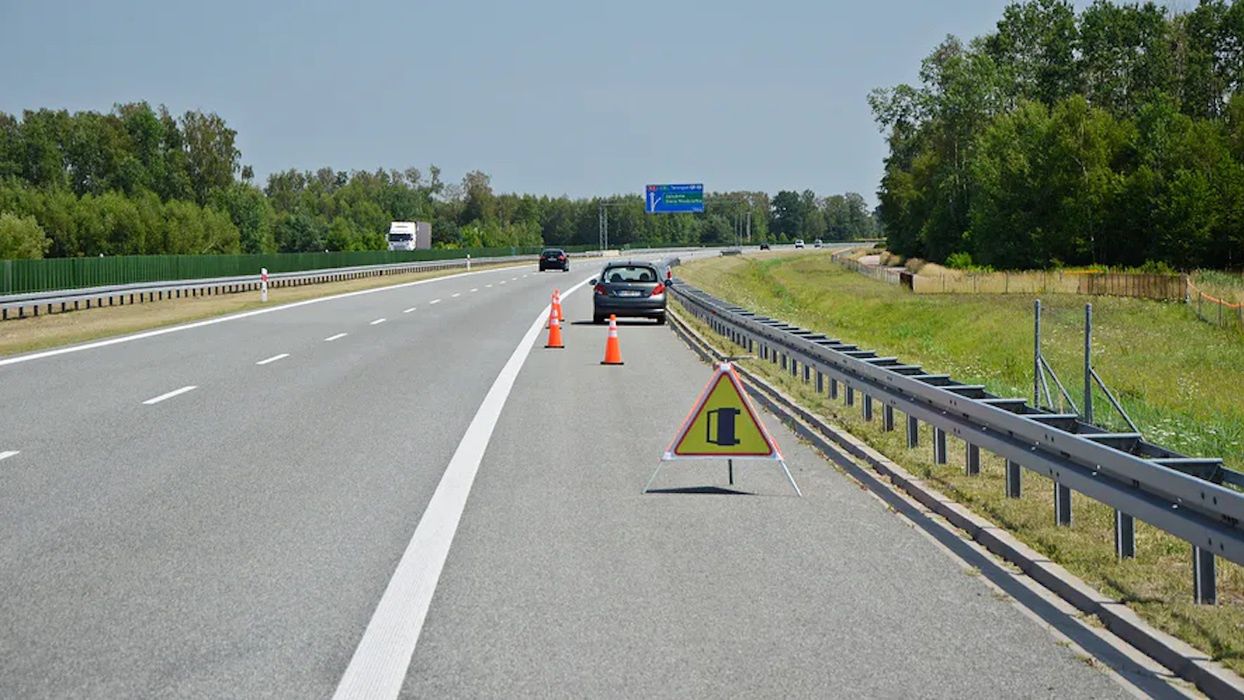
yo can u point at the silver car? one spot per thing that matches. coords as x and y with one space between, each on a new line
629 288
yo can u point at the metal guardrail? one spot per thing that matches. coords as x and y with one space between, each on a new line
33 304
1190 498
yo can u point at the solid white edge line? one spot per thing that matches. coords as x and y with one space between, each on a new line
380 662
176 392
223 319
274 358
377 322
9 453
406 311
331 338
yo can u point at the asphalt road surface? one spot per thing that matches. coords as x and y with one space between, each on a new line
402 491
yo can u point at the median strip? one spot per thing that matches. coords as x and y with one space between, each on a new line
274 358
169 395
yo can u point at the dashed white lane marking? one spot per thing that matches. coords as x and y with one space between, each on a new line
488 286
379 665
406 311
502 281
274 358
331 338
435 301
9 453
456 294
377 322
514 278
169 395
475 289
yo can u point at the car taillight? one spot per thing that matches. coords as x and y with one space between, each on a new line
659 289
561 257
600 289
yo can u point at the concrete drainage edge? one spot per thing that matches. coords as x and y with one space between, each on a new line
1181 658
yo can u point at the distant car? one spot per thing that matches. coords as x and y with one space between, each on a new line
798 242
630 288
817 243
764 246
554 259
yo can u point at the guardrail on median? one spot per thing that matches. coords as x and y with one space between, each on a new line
1195 499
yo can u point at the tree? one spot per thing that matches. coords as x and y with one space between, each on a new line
21 238
211 156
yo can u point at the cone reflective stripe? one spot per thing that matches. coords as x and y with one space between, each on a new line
613 351
555 332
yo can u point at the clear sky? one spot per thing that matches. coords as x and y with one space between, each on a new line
547 96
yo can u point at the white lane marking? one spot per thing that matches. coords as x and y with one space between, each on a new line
377 322
456 294
378 667
222 319
169 395
9 453
475 289
435 301
331 338
406 311
488 286
514 278
274 358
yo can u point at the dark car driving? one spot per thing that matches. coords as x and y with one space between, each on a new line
629 289
554 259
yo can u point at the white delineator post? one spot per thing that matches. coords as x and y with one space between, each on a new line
468 262
263 284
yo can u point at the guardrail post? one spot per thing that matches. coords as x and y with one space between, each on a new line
1124 535
850 395
1014 485
794 366
820 383
972 461
833 388
939 446
913 432
764 351
887 418
783 361
1062 504
807 373
868 407
1204 587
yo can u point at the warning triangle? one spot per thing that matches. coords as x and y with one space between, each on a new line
723 424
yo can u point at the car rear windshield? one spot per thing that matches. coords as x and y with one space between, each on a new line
630 273
552 253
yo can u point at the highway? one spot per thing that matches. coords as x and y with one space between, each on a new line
267 506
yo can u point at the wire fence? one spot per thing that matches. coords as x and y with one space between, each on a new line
1214 310
1157 287
877 272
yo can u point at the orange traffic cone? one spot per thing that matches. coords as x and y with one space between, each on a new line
557 304
555 332
613 351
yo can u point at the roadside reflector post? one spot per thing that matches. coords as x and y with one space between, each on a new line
887 418
1062 504
1204 587
913 433
468 262
1124 535
263 284
868 407
939 446
1013 484
972 462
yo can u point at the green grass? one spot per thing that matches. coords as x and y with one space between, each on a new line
1176 376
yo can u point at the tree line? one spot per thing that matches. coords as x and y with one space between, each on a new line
141 181
1110 136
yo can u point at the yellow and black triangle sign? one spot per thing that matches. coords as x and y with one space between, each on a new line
722 424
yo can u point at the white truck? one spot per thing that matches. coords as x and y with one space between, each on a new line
410 235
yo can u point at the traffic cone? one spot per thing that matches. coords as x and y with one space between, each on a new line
555 332
613 351
557 304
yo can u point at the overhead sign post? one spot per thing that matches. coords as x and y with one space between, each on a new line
674 199
723 425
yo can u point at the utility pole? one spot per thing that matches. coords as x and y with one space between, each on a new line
602 222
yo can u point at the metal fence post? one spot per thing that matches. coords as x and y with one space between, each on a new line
1014 486
972 460
1062 504
1124 535
1204 587
1088 363
1036 353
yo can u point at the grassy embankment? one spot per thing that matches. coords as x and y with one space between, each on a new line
37 333
1177 377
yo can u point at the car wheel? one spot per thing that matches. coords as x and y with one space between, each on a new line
598 319
661 320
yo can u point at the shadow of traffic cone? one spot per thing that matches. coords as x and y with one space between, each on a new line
613 351
555 332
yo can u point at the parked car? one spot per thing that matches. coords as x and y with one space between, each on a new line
798 242
764 246
554 259
629 288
